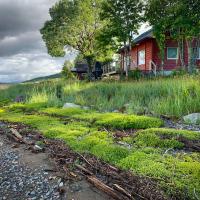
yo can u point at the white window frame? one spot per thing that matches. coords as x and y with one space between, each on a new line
172 48
198 58
139 60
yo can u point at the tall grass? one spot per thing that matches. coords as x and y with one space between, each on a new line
167 96
172 96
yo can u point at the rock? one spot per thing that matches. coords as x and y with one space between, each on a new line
71 105
115 111
61 184
193 118
86 108
38 148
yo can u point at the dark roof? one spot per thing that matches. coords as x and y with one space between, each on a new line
145 35
80 68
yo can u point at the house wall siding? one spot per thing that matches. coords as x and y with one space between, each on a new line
152 53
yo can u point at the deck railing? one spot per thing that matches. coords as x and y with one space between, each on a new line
111 68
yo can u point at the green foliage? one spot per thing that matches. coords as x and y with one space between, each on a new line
179 72
180 18
135 74
66 70
74 24
123 20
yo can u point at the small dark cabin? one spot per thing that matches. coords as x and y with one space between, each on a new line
81 70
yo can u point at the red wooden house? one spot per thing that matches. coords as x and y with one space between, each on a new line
145 55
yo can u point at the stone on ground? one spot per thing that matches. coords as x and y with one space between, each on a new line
193 118
73 105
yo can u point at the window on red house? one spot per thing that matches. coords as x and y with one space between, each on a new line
141 57
172 53
196 53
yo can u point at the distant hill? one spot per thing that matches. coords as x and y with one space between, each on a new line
44 78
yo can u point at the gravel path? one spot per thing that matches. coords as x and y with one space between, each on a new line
18 181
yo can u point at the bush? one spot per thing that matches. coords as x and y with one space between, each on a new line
135 74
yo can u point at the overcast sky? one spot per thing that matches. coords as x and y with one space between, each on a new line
23 54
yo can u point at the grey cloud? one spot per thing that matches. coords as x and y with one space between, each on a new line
19 16
23 54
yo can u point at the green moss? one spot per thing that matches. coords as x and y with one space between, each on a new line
145 163
153 140
110 153
121 121
20 107
2 110
163 138
112 120
66 112
191 135
178 175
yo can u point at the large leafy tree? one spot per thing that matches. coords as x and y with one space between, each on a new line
123 20
181 18
76 24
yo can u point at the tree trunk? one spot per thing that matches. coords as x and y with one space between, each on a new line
129 57
90 67
181 53
189 56
126 55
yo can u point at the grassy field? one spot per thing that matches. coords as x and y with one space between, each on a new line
171 96
4 86
150 150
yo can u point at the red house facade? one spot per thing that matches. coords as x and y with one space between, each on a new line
145 55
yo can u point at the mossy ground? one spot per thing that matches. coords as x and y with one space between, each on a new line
176 171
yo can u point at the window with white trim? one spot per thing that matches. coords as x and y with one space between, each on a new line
172 53
196 53
141 57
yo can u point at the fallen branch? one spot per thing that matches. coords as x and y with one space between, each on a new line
123 191
113 168
103 187
16 134
19 137
83 169
85 160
